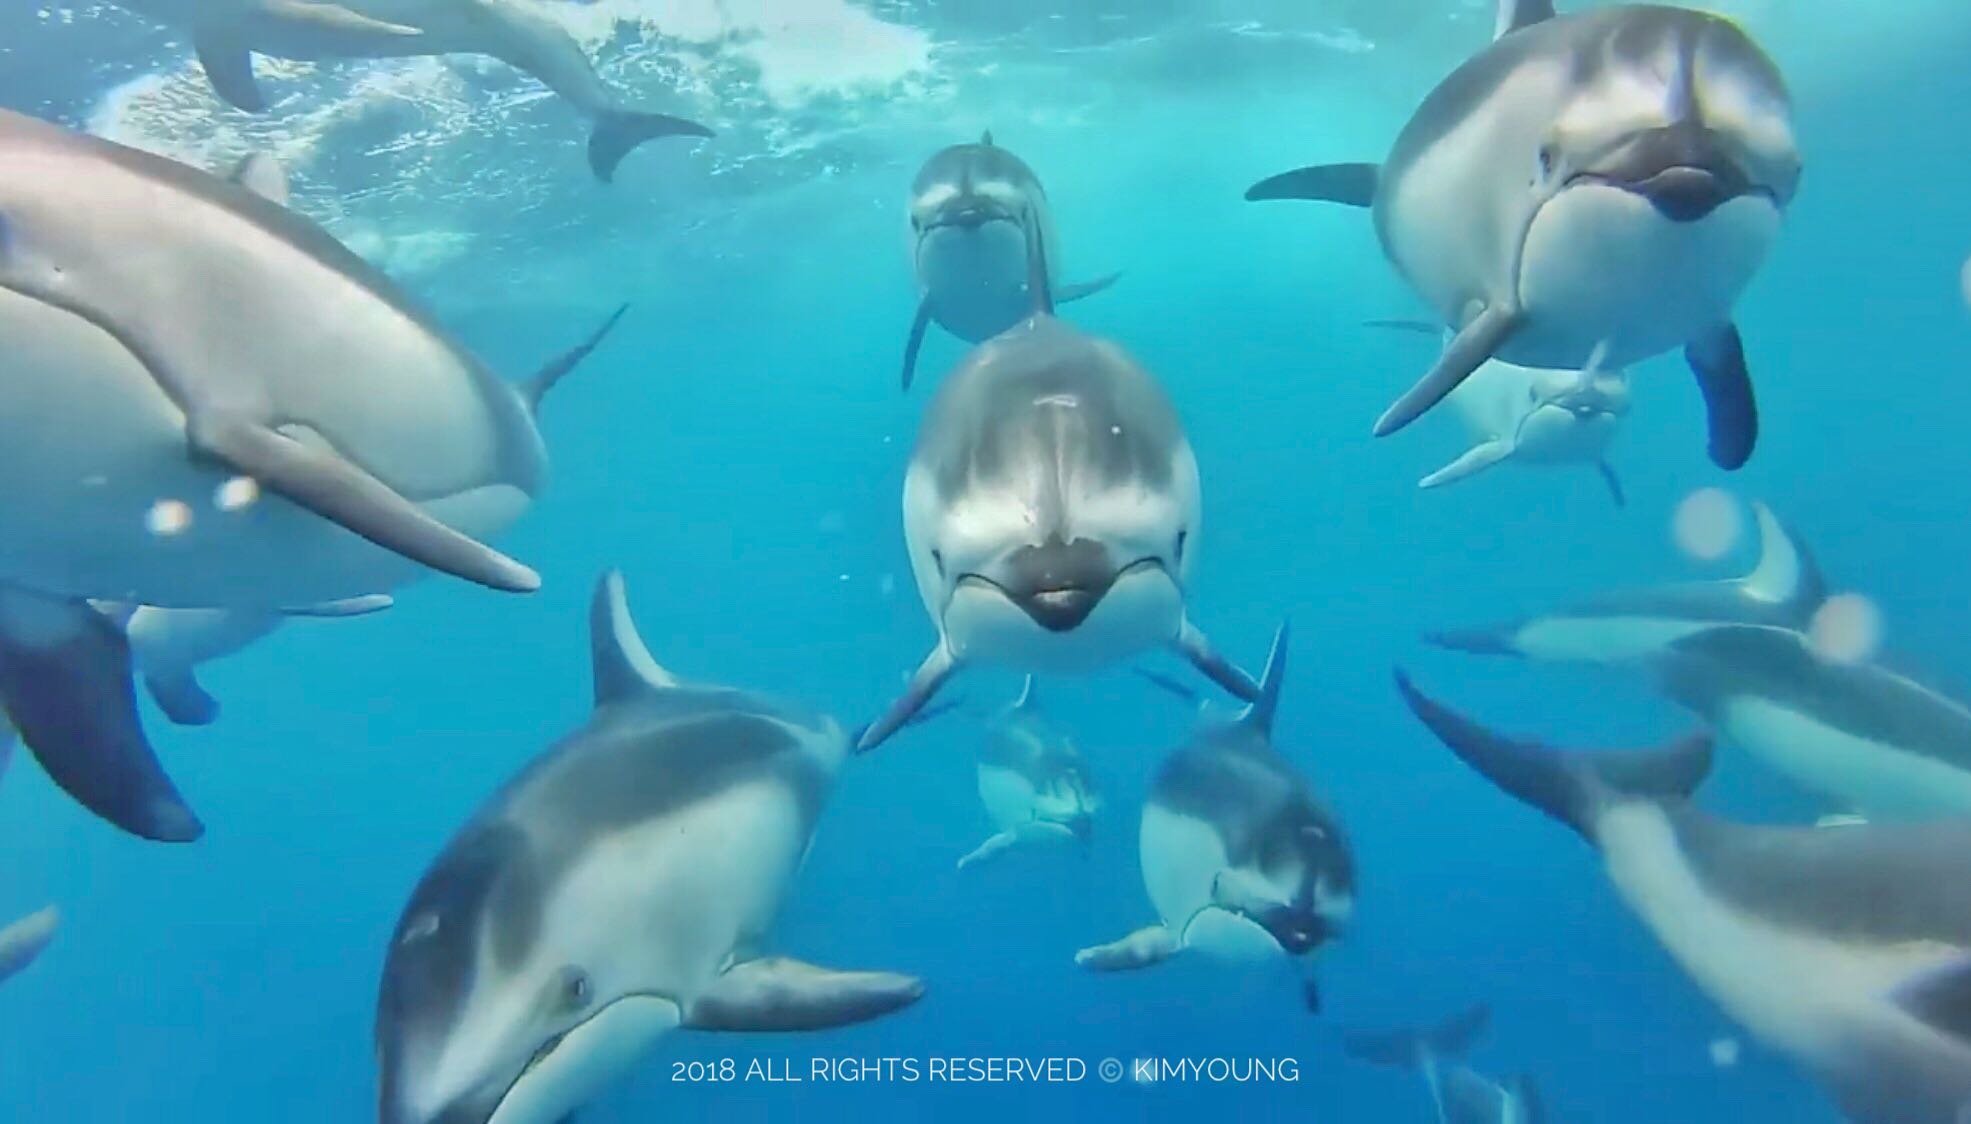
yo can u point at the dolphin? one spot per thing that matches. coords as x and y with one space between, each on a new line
227 33
1460 1094
1848 949
1033 781
168 645
1241 858
1783 590
1607 181
23 941
1868 739
1534 416
211 403
1051 512
618 888
973 210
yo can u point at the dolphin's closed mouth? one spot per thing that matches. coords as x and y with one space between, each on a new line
1058 603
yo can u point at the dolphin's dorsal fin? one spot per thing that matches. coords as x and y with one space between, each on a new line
1786 573
536 388
623 667
1517 14
263 175
985 138
1261 713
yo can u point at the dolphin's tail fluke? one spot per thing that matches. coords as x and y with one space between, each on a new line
1416 1046
1571 786
65 679
617 131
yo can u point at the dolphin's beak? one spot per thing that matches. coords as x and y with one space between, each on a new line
1685 170
1057 583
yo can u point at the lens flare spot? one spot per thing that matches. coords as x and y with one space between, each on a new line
1847 628
168 517
1725 1052
1965 279
237 494
1708 524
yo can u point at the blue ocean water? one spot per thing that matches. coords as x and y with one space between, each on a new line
738 450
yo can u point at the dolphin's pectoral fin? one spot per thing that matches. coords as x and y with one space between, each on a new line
1942 998
347 607
1471 462
617 131
1081 289
1614 483
1152 944
918 327
931 675
182 700
778 994
65 679
1352 184
991 848
1472 346
1195 646
321 15
338 490
229 67
1718 359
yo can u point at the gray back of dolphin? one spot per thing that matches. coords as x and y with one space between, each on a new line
995 429
1883 910
963 165
1709 670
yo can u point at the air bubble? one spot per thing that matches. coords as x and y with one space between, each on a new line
1847 628
237 494
1707 524
1725 1052
168 517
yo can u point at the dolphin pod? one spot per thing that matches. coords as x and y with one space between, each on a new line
1848 949
200 372
227 33
1661 153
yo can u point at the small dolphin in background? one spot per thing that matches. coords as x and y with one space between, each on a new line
1051 512
1872 742
227 33
1783 590
1460 1094
619 888
1847 949
1033 782
1533 416
1240 857
23 941
974 209
1604 182
211 403
168 645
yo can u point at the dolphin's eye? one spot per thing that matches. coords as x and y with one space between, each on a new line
576 992
1177 555
937 559
1547 157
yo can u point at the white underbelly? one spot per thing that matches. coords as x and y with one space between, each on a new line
1599 640
1143 610
100 497
1600 264
975 280
1008 797
1553 435
1182 858
1751 968
1856 774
